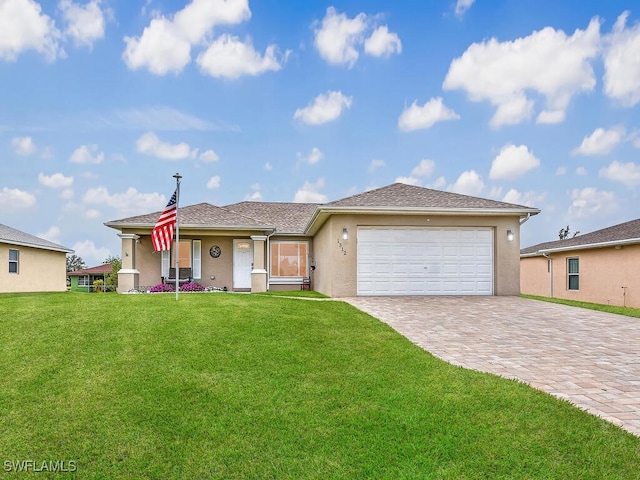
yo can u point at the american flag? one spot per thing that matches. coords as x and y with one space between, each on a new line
162 234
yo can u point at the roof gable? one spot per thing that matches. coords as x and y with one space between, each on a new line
16 237
99 270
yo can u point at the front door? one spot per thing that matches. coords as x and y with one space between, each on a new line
242 263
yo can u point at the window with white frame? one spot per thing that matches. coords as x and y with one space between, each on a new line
190 257
14 258
573 273
289 259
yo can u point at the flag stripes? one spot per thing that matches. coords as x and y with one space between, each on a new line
162 234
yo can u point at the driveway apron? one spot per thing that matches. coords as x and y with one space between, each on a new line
587 357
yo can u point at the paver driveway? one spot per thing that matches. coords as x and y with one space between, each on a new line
589 358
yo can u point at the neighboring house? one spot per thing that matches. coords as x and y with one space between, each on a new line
82 280
598 267
395 240
30 263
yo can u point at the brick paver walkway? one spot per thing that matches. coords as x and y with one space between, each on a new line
589 358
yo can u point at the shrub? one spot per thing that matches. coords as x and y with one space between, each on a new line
192 287
161 287
98 286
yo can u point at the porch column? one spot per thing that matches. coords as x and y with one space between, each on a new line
128 274
259 272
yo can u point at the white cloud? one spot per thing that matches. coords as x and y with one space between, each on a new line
325 108
547 62
622 63
165 45
92 214
581 171
128 203
376 164
600 142
53 234
67 194
462 6
626 173
314 156
268 167
468 183
424 169
85 23
57 180
23 27
337 38
407 180
381 43
513 162
528 199
214 182
310 193
87 154
88 251
561 171
253 197
590 202
23 145
14 199
418 117
150 144
209 156
228 57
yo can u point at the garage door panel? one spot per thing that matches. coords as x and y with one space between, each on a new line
425 261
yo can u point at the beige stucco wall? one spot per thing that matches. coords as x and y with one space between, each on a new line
603 273
337 259
39 270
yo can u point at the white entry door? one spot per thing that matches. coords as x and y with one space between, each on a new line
425 261
242 263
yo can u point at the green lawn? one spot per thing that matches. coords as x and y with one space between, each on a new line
628 311
245 386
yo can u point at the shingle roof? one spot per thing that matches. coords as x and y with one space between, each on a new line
202 214
295 218
403 195
100 269
627 231
16 237
285 217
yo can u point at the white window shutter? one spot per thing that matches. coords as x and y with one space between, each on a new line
164 268
197 259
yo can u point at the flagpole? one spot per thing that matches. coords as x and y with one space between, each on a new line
177 176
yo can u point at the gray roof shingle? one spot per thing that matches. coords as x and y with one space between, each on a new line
286 217
410 196
201 214
617 233
16 237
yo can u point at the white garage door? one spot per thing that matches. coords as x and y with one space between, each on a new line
425 261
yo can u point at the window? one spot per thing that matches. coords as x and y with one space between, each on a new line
289 259
83 280
573 273
13 260
190 257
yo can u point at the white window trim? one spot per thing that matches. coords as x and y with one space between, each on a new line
196 259
277 279
569 275
16 261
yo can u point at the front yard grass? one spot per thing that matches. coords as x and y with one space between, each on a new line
231 386
628 311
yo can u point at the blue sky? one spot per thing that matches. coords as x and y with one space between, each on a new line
535 103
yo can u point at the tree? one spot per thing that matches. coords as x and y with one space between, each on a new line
564 233
74 263
112 278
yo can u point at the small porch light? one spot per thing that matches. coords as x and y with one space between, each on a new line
345 234
510 236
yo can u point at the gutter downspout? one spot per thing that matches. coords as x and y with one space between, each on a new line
550 260
524 219
269 257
